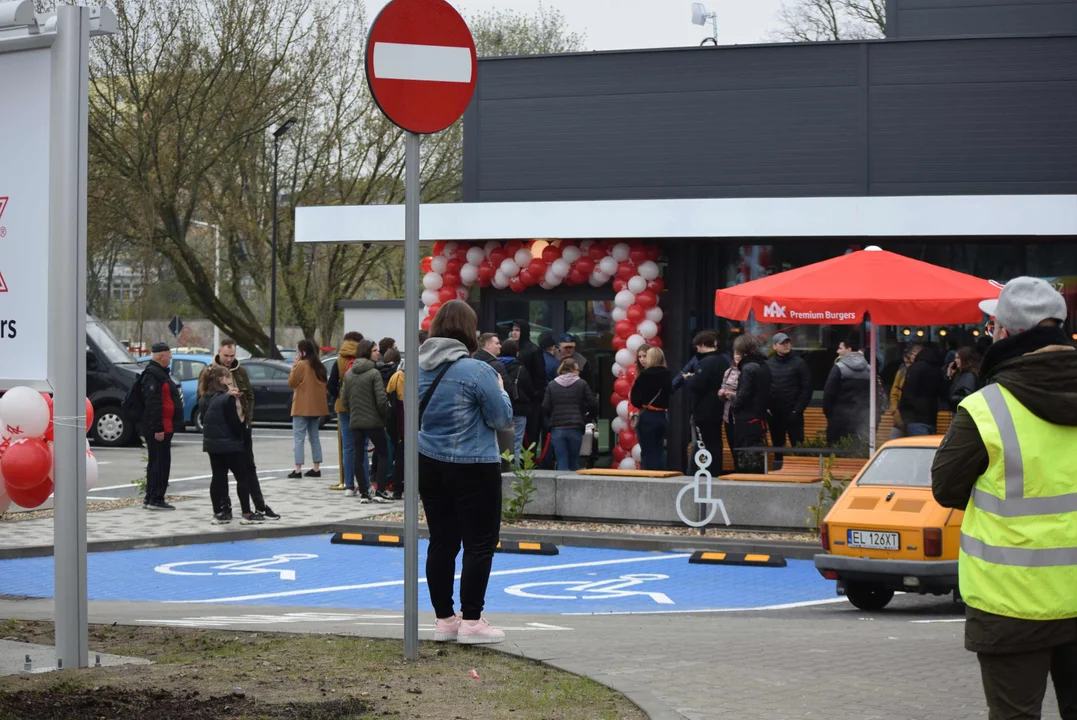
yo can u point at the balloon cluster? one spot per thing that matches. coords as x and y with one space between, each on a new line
26 454
632 267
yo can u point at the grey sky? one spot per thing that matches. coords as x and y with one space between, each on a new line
617 24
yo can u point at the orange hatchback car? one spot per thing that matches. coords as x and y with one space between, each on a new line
886 533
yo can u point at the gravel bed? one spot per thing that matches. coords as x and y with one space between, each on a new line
90 507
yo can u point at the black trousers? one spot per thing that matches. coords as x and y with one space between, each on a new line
463 505
248 487
1016 684
398 467
158 467
729 430
380 442
712 438
784 422
221 464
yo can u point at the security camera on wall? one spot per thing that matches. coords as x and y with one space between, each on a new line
699 14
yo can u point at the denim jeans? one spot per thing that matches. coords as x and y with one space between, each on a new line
566 446
301 428
652 439
519 425
347 450
918 429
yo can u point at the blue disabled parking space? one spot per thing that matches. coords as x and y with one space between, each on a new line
309 571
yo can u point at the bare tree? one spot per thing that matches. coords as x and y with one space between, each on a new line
821 20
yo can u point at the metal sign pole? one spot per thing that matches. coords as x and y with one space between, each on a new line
411 398
67 344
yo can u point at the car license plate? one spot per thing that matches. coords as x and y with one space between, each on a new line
874 540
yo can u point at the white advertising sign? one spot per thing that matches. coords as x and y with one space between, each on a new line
24 217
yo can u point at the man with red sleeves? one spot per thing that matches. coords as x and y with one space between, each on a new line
161 418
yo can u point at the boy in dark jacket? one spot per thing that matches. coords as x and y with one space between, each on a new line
523 390
703 386
919 405
846 402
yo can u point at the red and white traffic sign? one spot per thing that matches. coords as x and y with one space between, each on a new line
421 64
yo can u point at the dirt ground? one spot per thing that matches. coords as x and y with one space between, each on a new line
226 675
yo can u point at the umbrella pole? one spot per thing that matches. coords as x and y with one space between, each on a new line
872 422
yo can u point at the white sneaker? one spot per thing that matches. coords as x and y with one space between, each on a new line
350 493
478 632
364 500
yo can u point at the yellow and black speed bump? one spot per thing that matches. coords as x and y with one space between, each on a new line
527 548
357 538
713 557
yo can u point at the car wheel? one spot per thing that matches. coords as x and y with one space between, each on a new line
110 428
196 420
867 597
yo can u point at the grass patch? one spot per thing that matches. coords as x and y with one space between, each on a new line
309 677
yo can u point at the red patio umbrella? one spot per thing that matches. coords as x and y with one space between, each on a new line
890 289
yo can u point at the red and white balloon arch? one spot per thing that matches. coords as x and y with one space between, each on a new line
631 266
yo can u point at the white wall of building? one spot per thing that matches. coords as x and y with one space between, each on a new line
376 319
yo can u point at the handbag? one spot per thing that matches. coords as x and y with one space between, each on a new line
633 419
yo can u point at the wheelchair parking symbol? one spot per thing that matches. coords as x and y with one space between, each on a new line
224 568
592 590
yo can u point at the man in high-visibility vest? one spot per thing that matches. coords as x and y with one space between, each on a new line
1010 460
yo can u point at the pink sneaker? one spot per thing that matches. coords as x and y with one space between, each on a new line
446 630
478 632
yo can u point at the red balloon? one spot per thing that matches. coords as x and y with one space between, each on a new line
624 329
517 284
626 271
619 454
627 439
656 286
439 247
453 266
512 246
551 253
25 464
618 284
586 265
631 372
446 293
433 309
653 253
425 324
619 343
425 264
616 399
527 278
637 255
31 497
622 386
89 416
655 342
537 267
487 271
596 252
498 256
450 279
49 430
575 277
635 315
646 299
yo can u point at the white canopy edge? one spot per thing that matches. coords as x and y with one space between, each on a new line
913 216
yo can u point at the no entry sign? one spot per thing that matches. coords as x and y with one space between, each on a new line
420 64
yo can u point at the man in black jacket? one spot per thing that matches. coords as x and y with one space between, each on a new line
750 403
790 393
846 402
488 352
919 405
703 386
530 356
162 416
1034 362
523 389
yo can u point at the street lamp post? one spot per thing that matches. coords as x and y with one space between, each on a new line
277 135
216 273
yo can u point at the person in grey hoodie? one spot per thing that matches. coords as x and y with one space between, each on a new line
367 405
462 405
846 402
568 402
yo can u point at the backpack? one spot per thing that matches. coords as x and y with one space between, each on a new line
514 389
134 402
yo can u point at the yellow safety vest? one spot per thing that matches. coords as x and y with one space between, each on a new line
1019 535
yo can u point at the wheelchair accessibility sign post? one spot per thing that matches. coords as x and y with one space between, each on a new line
226 568
703 476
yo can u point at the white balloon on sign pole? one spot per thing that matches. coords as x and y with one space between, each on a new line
608 266
618 314
647 329
635 342
91 471
490 246
628 464
509 268
438 263
617 425
475 256
624 299
625 357
523 257
571 254
560 268
620 252
469 274
617 370
648 269
637 453
655 314
424 312
432 281
25 412
637 284
430 297
500 281
622 410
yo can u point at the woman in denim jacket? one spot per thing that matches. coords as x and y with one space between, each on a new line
460 470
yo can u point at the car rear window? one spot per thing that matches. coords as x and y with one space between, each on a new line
902 466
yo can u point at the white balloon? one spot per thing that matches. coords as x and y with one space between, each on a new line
628 464
571 254
430 297
523 257
552 278
624 299
647 329
545 285
424 312
637 453
617 425
509 268
450 249
490 246
622 410
635 342
432 281
475 256
585 245
625 357
560 267
648 269
619 314
608 266
469 274
438 263
637 284
620 252
91 471
617 370
598 279
655 314
500 281
25 412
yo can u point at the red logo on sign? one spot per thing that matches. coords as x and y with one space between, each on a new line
421 64
3 233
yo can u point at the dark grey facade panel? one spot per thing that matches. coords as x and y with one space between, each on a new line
954 18
1017 60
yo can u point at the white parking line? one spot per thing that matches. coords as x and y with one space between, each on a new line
782 606
940 620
